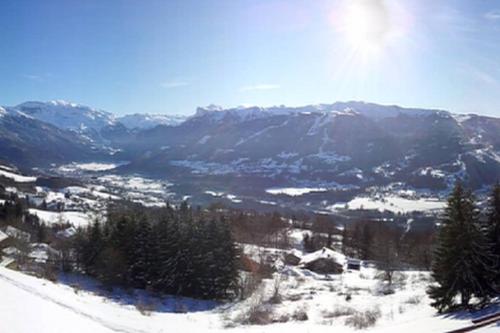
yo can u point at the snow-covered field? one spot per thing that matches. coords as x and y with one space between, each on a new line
77 219
395 204
29 304
92 167
16 177
295 191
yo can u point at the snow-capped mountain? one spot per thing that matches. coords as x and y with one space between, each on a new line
29 142
350 145
139 121
67 115
215 113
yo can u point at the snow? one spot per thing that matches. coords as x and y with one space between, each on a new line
17 177
46 314
391 203
231 197
77 219
11 251
16 233
3 236
324 253
146 121
373 111
204 139
295 191
58 307
40 252
66 233
67 115
93 166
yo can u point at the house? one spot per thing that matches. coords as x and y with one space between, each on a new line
41 253
292 258
324 261
11 251
18 234
66 233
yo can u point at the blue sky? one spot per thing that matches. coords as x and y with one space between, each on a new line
172 56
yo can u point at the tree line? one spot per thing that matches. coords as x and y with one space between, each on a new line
166 250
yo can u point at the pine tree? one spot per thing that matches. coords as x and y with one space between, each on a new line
226 256
462 260
142 254
494 220
168 249
493 227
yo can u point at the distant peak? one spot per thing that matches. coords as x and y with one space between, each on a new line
60 102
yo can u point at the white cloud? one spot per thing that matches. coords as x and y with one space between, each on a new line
174 84
263 86
33 77
493 15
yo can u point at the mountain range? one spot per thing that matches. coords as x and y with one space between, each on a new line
345 146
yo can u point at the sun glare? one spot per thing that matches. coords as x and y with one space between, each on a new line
366 25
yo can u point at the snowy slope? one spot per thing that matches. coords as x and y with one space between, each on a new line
77 219
59 308
146 121
16 177
67 115
371 110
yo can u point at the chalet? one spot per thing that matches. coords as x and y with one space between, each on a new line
17 234
324 261
41 253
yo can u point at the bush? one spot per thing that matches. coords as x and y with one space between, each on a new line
249 284
258 315
361 320
414 300
339 311
145 307
300 315
276 297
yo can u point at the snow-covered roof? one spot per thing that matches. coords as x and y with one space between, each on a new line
324 253
66 233
11 250
40 252
3 236
16 233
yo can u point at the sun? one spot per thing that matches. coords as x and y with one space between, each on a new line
366 25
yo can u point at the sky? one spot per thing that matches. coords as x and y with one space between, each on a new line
168 56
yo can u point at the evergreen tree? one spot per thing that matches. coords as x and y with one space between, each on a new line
462 260
142 254
168 249
494 227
